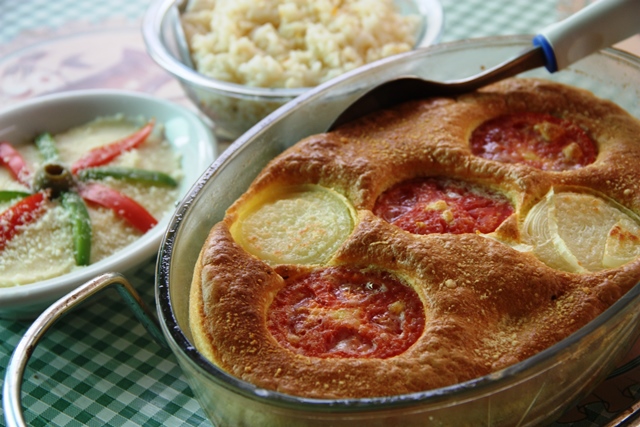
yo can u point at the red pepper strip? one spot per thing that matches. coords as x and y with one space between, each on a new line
123 206
102 155
14 162
24 212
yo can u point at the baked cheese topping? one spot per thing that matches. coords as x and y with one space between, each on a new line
346 312
437 283
539 140
581 232
294 225
436 205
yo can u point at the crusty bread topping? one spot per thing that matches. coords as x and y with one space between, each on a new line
566 249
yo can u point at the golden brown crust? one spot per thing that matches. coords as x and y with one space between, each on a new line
487 305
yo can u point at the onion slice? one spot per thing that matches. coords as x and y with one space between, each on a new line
580 232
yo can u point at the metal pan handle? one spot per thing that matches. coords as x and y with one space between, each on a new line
12 388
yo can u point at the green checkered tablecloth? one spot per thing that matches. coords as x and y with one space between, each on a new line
97 366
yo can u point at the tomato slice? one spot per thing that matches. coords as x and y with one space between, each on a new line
347 313
440 205
26 211
102 155
125 207
536 139
10 158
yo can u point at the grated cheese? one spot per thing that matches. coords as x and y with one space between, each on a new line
44 249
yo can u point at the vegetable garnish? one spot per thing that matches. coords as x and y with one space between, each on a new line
47 147
24 212
55 177
72 187
10 158
128 174
81 226
122 205
7 195
102 155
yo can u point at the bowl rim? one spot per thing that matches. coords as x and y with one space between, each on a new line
133 254
179 341
159 10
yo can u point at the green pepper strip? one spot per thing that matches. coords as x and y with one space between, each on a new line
123 206
128 174
102 155
81 226
47 147
8 195
24 212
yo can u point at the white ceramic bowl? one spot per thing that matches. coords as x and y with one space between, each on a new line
55 113
235 108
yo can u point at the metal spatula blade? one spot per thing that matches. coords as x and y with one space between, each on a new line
595 27
404 89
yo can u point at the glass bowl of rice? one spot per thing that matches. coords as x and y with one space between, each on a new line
239 61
